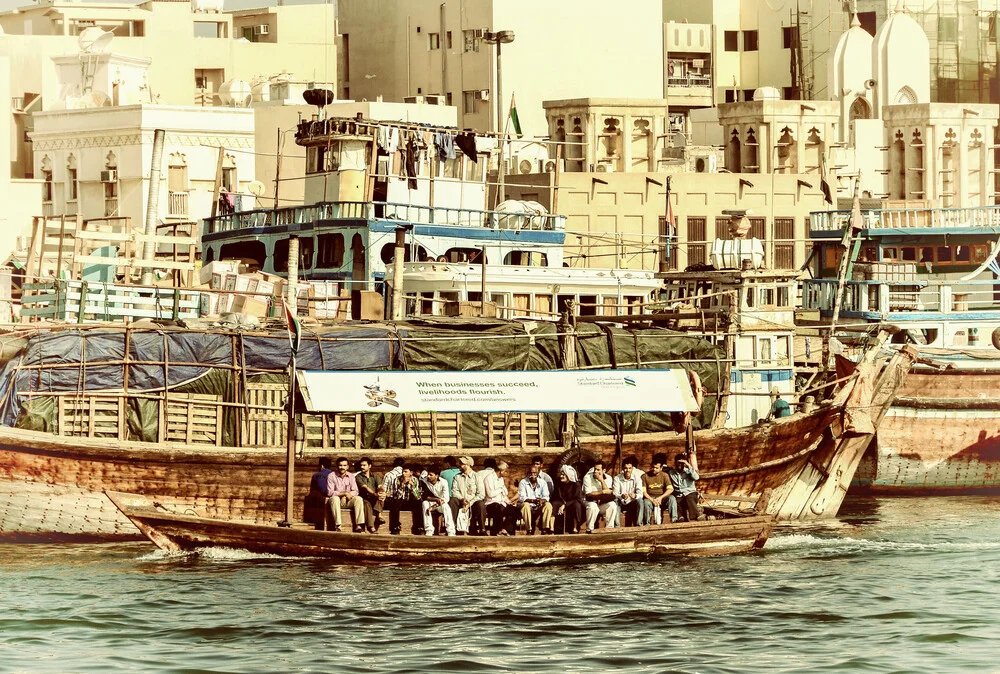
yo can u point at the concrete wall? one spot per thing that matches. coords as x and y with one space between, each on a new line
559 51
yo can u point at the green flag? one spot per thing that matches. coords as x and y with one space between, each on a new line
513 117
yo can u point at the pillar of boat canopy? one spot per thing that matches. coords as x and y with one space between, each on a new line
291 294
152 205
397 275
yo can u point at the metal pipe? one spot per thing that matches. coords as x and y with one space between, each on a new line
152 205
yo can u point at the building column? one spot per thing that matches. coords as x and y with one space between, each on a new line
930 163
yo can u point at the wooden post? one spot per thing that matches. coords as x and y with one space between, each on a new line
398 303
482 285
291 294
277 169
32 260
554 188
62 236
290 458
567 343
218 181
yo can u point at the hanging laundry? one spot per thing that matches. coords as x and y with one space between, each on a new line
446 145
383 138
392 143
466 142
411 164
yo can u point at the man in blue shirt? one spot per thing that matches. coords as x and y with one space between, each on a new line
319 493
683 503
449 473
779 407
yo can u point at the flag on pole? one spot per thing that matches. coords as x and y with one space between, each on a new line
512 115
294 329
824 186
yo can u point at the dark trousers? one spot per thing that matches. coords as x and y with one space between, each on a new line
687 507
503 516
573 517
395 505
477 514
630 512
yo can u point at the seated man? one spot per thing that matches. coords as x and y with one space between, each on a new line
368 484
499 509
568 500
534 500
383 489
404 493
600 498
315 510
536 462
628 492
683 503
344 494
779 408
467 494
436 500
657 488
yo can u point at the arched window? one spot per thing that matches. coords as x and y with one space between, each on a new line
860 109
905 96
733 160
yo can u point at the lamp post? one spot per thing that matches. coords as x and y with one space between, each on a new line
500 37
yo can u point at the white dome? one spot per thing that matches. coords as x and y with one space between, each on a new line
851 65
901 60
767 94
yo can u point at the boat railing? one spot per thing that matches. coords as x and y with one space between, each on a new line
379 210
889 297
909 218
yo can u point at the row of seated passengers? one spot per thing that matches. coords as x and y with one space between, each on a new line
472 502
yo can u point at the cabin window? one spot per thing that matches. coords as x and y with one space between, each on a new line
767 297
306 252
522 304
466 255
563 302
831 257
784 296
908 254
963 254
944 254
388 252
870 254
543 305
781 350
474 171
208 256
927 255
889 255
331 251
980 252
588 305
764 350
248 251
526 258
281 255
427 304
750 296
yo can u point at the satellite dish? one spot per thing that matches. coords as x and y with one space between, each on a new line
235 93
93 40
256 188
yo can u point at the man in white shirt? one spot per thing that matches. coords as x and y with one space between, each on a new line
597 488
536 462
534 500
467 507
498 505
628 490
436 500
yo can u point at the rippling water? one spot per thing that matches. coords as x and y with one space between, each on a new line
900 585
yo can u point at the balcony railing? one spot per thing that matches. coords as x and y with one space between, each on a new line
909 218
178 204
404 213
883 298
690 81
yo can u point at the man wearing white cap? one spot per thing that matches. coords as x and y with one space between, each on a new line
467 494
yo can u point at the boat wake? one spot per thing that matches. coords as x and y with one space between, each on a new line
211 554
843 544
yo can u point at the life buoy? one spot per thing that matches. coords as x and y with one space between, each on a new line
696 388
996 338
576 457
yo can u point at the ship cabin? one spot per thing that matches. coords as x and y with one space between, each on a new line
752 312
364 180
528 292
931 271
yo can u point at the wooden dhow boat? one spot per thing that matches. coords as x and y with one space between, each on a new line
214 438
189 532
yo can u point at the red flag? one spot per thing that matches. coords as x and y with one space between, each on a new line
294 329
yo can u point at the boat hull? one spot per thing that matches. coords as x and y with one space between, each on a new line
941 436
176 533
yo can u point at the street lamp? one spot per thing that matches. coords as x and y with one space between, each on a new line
498 38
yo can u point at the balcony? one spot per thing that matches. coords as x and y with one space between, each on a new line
694 90
178 205
826 224
886 300
289 218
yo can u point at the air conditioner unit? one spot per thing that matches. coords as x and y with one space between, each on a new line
605 168
434 99
261 29
549 165
523 166
109 176
484 94
705 163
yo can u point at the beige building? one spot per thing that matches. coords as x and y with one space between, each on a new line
403 48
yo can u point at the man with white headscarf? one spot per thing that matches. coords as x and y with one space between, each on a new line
568 500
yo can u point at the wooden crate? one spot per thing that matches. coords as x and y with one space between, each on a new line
514 429
336 431
91 416
266 417
434 429
192 418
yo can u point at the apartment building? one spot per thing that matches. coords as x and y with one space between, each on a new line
405 48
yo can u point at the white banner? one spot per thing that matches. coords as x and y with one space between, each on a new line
504 391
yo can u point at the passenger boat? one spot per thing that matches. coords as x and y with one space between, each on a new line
191 532
932 273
